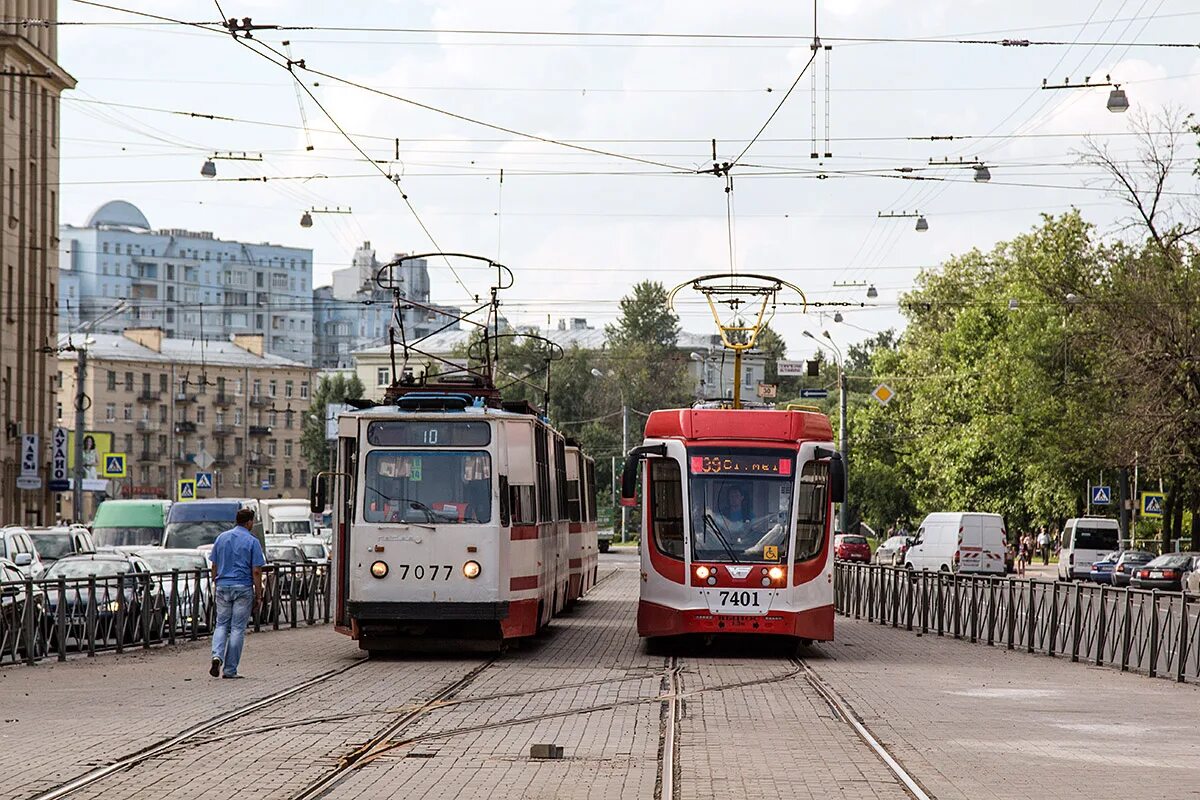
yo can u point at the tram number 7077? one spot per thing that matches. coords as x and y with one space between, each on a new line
742 599
420 572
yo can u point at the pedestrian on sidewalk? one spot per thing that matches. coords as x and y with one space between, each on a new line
1044 545
237 562
1022 555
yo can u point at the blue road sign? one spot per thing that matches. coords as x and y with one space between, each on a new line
266 485
1101 495
1153 503
814 394
204 480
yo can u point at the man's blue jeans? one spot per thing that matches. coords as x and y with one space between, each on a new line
233 612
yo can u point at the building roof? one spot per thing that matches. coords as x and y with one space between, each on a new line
119 213
114 347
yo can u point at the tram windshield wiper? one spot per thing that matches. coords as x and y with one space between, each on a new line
712 524
430 516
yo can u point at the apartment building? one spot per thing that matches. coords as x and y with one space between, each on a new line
31 81
177 407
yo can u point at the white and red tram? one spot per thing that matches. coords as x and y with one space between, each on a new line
736 522
452 522
583 565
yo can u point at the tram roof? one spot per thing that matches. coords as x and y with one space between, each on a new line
756 425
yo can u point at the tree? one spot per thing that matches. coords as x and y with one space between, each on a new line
646 320
334 389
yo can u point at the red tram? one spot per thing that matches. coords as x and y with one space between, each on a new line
736 522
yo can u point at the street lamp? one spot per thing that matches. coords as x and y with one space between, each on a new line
922 223
844 511
982 173
209 170
1117 103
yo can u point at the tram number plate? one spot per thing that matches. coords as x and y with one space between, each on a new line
425 572
737 599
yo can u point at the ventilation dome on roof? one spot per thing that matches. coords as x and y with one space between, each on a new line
118 213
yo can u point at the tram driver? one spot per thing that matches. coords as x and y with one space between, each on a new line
746 532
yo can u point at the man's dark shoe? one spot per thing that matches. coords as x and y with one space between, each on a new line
233 677
215 668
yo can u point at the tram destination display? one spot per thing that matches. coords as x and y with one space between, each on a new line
724 464
429 433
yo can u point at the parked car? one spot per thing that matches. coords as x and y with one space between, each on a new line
17 547
968 542
1085 540
1102 570
1168 571
315 550
110 598
57 542
1191 582
1129 561
193 586
291 518
286 557
14 600
851 547
891 552
130 523
199 522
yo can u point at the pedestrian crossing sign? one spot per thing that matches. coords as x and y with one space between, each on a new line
1152 504
1101 495
187 489
114 465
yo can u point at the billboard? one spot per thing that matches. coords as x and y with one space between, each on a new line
95 443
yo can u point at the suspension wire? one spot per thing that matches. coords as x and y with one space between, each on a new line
782 100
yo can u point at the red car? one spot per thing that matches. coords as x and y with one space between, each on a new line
851 547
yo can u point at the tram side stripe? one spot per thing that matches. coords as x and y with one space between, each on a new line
523 583
522 532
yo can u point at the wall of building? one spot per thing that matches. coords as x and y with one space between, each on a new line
189 283
29 168
169 415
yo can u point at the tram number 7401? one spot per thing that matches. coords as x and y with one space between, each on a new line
738 599
421 572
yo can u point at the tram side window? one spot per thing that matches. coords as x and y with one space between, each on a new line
560 477
573 509
542 457
666 506
523 506
812 509
591 491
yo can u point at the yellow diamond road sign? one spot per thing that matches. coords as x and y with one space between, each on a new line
883 393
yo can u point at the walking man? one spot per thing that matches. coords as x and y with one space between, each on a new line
1044 545
237 562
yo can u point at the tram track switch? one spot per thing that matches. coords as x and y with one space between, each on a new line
545 751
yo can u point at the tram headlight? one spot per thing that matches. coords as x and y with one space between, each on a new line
703 572
471 569
379 569
775 573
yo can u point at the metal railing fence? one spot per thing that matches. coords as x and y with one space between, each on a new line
1139 630
44 619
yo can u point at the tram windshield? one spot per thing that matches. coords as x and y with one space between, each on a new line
741 505
430 487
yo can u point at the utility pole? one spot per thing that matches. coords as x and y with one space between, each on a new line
845 506
624 452
80 405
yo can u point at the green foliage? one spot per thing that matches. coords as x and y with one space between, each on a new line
313 446
646 320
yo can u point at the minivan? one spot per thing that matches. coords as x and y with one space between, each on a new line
196 523
17 547
1085 540
130 523
968 542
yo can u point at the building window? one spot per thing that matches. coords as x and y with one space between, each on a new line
237 447
127 412
287 479
303 390
383 376
237 417
287 449
162 413
237 387
162 382
270 478
270 388
129 381
112 381
256 388
272 448
110 412
288 388
201 413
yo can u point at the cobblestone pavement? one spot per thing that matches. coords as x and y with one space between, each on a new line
965 720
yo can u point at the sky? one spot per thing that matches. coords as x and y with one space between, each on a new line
579 228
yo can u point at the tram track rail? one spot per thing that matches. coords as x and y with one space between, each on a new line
162 746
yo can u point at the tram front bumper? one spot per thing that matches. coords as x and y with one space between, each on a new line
428 612
657 620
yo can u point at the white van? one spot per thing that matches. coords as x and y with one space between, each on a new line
959 542
1086 540
290 518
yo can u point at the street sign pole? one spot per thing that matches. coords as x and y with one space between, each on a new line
80 400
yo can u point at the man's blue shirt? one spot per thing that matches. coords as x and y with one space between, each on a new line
235 554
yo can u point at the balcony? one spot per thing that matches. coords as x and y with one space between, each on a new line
146 426
223 400
185 426
259 430
185 459
261 401
223 430
146 455
256 458
147 396
183 398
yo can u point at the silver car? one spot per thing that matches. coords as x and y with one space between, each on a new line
891 552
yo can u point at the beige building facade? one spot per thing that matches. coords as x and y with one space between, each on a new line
32 82
178 407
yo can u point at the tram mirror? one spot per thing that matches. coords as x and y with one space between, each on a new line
630 473
837 473
317 494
